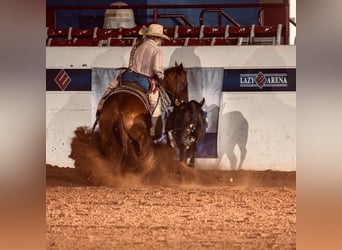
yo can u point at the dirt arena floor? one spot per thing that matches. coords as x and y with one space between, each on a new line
171 207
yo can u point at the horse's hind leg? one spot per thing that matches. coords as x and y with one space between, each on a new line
242 142
231 156
105 141
146 152
233 161
142 153
243 152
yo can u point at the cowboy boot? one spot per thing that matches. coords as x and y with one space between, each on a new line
154 121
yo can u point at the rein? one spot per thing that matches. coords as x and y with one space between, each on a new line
169 92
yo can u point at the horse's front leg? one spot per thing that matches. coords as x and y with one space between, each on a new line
192 151
182 153
192 160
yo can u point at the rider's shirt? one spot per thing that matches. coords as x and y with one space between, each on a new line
148 59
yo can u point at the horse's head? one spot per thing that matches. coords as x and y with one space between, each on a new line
176 84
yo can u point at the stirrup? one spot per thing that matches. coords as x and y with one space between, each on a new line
161 140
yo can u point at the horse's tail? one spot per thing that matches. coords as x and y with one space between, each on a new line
119 127
96 121
133 153
202 102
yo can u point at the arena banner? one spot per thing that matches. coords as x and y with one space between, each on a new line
68 80
256 80
207 83
257 119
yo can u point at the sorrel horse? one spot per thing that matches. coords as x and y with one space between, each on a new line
124 123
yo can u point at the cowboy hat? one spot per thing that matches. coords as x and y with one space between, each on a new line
153 30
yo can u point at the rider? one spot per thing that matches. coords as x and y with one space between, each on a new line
146 66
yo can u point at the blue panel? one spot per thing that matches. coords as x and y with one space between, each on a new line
207 148
251 80
68 79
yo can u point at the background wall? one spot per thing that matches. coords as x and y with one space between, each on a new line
94 18
269 111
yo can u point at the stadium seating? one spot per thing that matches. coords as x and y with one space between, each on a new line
266 34
82 33
58 42
173 42
107 33
58 33
180 36
121 42
184 32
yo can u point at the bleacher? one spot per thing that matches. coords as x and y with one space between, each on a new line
180 36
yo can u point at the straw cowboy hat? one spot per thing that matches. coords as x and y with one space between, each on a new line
153 30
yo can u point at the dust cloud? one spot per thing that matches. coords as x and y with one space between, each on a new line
89 161
94 169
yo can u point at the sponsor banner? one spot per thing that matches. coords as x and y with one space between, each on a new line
68 80
250 80
207 83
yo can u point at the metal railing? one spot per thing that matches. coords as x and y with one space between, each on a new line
220 13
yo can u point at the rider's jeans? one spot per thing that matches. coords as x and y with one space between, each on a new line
131 76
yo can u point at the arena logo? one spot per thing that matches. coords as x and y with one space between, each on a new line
62 79
263 80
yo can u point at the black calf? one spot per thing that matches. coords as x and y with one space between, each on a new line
185 127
